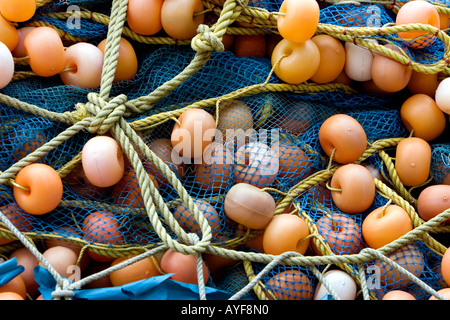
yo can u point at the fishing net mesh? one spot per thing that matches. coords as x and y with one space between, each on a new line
43 120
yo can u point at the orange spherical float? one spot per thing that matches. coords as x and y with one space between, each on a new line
38 188
340 232
418 11
413 161
385 224
342 137
425 83
139 270
18 10
144 17
445 266
286 232
433 200
19 50
388 74
180 19
127 62
295 62
193 132
104 228
332 58
421 114
298 20
352 188
46 52
183 267
289 285
8 34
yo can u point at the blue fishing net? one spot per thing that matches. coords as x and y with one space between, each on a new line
440 162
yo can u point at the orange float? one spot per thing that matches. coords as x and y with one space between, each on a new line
332 58
46 52
188 222
235 123
295 62
340 232
38 189
216 167
353 188
342 137
144 17
184 267
398 295
61 259
29 261
286 232
19 50
180 19
290 285
162 147
127 191
445 266
10 296
139 270
18 10
421 114
294 163
256 164
413 161
388 74
193 132
418 11
127 63
8 34
384 225
433 200
17 285
409 257
298 20
102 227
425 83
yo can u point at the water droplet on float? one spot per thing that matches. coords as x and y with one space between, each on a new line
349 129
413 164
444 198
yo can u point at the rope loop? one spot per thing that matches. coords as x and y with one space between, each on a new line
63 291
206 40
106 113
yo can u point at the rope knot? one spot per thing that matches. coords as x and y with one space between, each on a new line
106 113
206 40
63 291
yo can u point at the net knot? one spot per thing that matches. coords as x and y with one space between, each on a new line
206 40
106 113
63 291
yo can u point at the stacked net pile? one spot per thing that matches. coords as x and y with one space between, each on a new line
181 205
